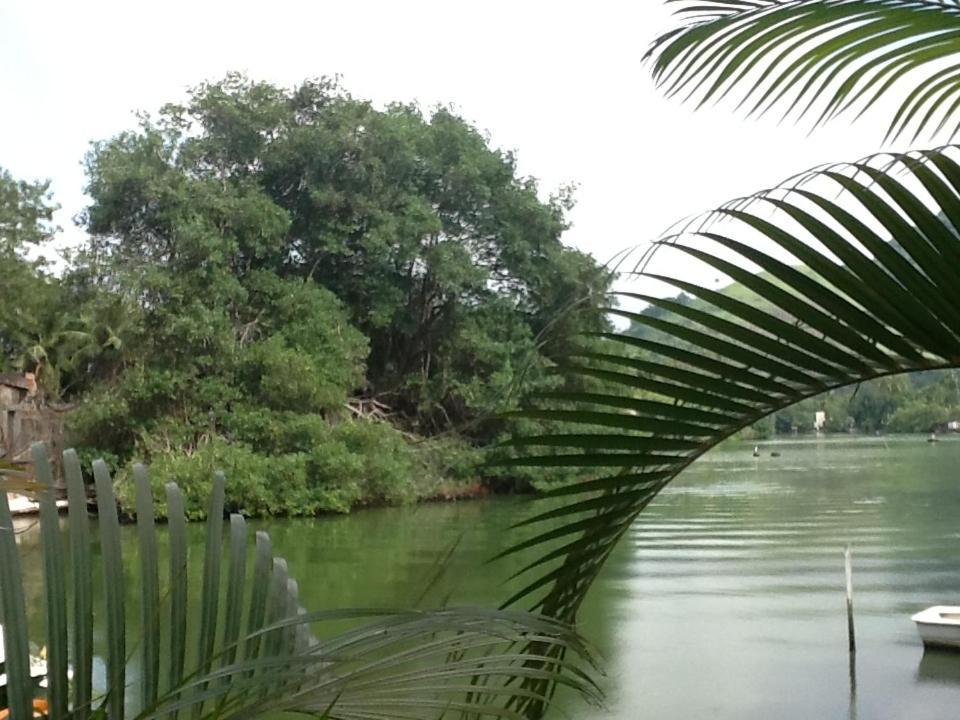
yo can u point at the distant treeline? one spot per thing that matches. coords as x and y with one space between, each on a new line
915 403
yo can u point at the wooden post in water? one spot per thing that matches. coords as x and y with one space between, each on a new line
848 567
849 571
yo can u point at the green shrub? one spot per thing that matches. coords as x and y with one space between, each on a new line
102 423
256 484
447 466
371 460
333 476
273 432
291 464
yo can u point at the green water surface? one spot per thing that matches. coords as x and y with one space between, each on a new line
725 601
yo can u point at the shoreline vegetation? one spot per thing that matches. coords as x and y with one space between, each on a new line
337 304
331 302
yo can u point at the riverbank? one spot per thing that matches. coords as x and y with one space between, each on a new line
23 506
307 470
294 487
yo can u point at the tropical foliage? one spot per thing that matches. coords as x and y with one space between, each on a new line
818 58
289 249
247 647
411 233
855 264
267 263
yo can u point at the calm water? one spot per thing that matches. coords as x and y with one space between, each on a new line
726 599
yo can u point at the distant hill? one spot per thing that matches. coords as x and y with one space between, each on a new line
735 290
916 402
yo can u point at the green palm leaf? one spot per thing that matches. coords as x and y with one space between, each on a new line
392 663
818 57
858 281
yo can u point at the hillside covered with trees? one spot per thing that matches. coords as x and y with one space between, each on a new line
907 403
331 302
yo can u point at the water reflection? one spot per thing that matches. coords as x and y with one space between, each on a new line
852 702
735 595
941 667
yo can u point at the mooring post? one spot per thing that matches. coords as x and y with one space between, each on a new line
848 563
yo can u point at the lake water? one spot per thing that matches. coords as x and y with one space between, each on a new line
726 600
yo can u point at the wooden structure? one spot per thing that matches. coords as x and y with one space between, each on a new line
26 418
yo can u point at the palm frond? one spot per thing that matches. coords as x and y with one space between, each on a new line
852 275
818 57
461 661
392 663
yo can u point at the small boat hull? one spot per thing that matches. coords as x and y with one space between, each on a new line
22 505
939 626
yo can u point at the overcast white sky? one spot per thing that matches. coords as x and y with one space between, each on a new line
559 82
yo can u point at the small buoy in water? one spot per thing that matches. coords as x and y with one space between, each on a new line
774 454
756 451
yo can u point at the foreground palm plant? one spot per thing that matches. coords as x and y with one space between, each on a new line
818 59
247 648
852 268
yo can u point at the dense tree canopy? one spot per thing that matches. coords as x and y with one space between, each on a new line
34 335
26 213
295 275
326 301
440 255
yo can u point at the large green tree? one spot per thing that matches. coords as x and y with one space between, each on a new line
26 214
66 332
25 222
288 252
442 256
220 334
35 334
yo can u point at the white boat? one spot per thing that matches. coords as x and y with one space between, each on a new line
939 626
38 665
22 505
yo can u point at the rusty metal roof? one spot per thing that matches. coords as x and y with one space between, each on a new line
17 380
